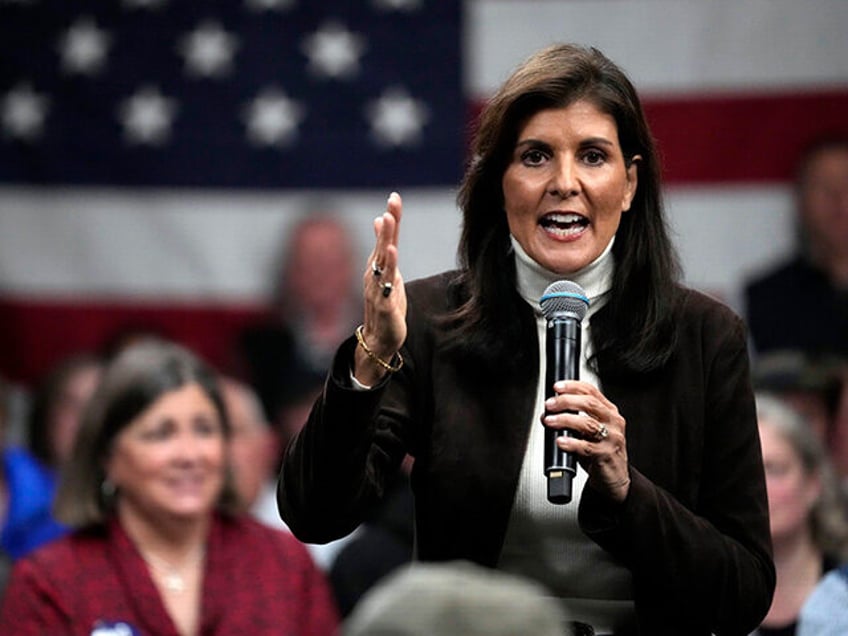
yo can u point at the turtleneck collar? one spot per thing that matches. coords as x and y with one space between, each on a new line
533 279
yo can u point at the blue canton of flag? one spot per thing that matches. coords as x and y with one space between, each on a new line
235 94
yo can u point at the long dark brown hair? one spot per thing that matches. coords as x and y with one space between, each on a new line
635 331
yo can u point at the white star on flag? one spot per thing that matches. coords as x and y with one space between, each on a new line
269 5
397 118
397 5
272 118
23 112
144 4
83 47
209 50
147 117
334 51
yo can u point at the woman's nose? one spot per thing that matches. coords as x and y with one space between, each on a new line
564 180
188 447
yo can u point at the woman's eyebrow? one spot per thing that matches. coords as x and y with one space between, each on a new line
531 142
589 141
597 141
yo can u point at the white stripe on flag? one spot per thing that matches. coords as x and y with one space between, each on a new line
670 46
222 248
163 245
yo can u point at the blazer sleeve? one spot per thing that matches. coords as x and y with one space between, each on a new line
700 551
347 455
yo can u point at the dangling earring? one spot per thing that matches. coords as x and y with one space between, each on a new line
107 491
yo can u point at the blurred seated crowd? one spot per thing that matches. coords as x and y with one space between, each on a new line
137 489
138 483
797 315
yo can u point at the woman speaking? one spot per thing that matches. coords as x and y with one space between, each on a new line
667 531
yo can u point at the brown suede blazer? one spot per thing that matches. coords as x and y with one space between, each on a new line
693 530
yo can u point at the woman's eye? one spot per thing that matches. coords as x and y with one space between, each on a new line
594 157
206 426
533 157
157 433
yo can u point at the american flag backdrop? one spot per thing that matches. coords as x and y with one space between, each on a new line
153 153
239 94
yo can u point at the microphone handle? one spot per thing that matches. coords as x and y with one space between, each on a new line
562 348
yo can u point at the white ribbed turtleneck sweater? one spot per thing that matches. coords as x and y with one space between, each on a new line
543 540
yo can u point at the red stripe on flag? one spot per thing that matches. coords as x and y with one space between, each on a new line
36 334
740 138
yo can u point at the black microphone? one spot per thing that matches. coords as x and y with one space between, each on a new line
564 305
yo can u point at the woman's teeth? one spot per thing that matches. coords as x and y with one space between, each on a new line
564 224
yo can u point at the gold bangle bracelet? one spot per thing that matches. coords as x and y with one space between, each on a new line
373 356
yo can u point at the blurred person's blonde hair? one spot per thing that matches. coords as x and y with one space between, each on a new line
828 516
456 598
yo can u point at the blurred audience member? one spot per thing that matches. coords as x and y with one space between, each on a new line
293 415
315 306
26 494
5 560
57 405
159 546
254 453
816 387
456 598
803 303
809 529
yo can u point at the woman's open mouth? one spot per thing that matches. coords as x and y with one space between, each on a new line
563 223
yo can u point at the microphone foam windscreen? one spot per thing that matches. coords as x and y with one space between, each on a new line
564 297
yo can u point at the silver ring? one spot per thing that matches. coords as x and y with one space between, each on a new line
387 289
602 432
376 269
